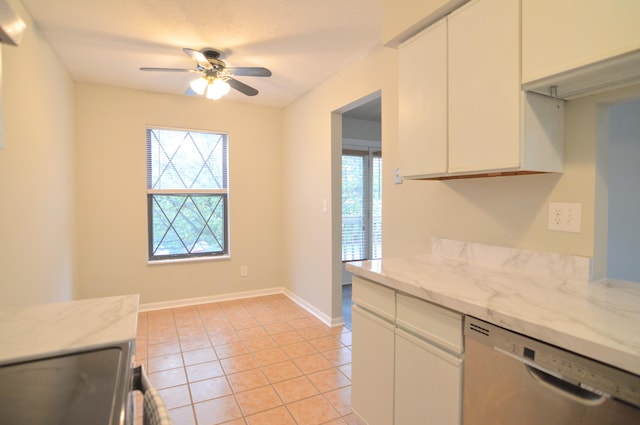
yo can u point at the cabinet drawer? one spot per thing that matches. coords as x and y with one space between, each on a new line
376 298
429 321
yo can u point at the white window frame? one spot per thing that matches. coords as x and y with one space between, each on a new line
368 153
223 193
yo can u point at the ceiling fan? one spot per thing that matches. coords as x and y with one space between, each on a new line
216 78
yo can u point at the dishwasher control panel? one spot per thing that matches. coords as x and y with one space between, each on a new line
579 370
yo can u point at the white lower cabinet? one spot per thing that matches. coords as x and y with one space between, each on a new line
428 383
407 358
372 368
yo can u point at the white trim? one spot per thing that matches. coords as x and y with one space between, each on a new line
337 322
355 144
241 295
209 299
188 259
313 310
197 130
188 191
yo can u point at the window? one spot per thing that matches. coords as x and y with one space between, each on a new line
187 194
361 204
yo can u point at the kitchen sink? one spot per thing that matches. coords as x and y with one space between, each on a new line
80 388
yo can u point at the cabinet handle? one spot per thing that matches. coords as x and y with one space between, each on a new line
372 316
433 349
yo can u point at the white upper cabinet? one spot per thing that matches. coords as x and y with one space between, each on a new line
484 86
461 108
422 106
579 45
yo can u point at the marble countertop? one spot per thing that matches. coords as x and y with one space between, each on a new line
545 296
45 330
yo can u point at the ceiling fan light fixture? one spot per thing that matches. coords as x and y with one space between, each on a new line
217 88
199 85
215 78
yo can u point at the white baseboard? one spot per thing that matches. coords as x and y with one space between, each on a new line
184 302
314 311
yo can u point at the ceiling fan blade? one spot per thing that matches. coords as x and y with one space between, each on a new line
242 87
168 69
250 71
199 58
189 92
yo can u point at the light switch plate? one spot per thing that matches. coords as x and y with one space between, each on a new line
396 176
565 217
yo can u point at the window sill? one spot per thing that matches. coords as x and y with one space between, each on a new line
188 260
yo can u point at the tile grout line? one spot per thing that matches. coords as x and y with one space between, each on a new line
184 366
249 313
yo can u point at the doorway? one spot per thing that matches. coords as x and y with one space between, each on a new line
617 199
361 219
623 232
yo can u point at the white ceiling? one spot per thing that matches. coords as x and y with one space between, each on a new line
303 42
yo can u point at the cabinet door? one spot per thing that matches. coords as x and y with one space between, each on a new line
562 35
484 87
372 368
428 383
422 108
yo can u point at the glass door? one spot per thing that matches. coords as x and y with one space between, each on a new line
361 204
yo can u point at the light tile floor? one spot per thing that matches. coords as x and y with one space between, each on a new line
261 360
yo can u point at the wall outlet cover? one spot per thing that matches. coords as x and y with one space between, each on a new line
565 217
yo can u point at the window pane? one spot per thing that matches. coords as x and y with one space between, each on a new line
353 208
187 225
187 180
186 160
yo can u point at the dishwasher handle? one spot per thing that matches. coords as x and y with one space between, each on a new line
556 383
566 388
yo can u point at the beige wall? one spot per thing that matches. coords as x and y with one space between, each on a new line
508 211
284 164
312 248
403 18
37 220
111 195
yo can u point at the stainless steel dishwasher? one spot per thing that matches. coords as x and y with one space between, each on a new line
512 379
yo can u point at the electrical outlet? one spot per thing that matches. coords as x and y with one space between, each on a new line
565 217
244 271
